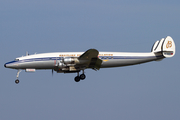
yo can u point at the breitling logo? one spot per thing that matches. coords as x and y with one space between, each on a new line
169 44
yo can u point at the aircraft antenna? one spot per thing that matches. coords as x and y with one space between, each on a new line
27 54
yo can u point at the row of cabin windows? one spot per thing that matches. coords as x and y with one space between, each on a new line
61 58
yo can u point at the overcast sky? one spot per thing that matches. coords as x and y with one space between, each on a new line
148 91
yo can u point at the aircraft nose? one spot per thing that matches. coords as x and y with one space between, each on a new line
4 65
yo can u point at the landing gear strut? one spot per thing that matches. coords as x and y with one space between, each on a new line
81 77
17 81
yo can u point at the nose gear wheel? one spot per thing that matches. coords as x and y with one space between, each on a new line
17 81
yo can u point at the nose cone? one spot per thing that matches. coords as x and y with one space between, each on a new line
9 65
12 64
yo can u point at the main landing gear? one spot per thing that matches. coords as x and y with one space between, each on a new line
81 77
17 81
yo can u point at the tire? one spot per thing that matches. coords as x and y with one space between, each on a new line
82 76
17 81
77 79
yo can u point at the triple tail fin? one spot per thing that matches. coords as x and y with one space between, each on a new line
165 46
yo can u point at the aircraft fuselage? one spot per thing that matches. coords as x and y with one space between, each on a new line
68 62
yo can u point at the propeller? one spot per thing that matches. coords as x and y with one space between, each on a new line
52 72
54 66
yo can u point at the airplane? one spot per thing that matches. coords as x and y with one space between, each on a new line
75 62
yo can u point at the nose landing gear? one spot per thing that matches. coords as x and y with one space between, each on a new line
17 81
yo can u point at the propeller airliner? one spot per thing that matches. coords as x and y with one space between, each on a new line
75 62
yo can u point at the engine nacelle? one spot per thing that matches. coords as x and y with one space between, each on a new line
61 65
65 63
70 60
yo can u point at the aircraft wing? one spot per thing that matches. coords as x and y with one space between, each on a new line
91 58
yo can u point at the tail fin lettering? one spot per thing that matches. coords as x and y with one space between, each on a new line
168 47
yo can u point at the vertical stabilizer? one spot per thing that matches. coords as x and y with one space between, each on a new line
159 46
168 47
155 46
165 46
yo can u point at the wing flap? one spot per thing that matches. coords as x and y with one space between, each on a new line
95 63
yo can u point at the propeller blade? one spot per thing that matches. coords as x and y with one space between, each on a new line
52 72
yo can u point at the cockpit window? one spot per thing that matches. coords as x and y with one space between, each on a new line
16 59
